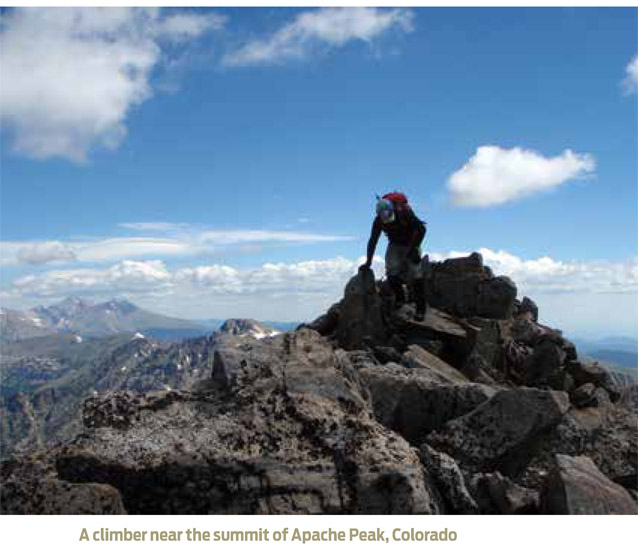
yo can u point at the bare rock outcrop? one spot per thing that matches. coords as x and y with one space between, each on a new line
477 409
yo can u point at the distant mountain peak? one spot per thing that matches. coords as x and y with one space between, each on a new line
247 327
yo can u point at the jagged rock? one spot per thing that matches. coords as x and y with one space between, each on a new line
608 434
591 372
525 331
449 481
484 364
454 338
464 287
585 396
296 437
414 402
226 363
500 426
30 487
418 358
497 494
360 320
577 486
326 324
528 309
543 367
496 298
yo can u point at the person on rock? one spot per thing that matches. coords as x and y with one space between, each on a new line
405 232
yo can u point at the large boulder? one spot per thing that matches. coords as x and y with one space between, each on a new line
440 333
543 368
466 288
591 372
493 432
418 358
360 322
414 402
576 486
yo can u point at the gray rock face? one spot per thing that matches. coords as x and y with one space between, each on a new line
296 437
576 486
607 434
413 402
226 364
593 373
542 368
29 487
464 287
449 479
360 320
484 437
418 358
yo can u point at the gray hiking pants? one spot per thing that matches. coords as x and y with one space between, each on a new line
397 264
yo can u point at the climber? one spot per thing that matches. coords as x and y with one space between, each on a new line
405 234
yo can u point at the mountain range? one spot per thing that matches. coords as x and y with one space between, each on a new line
45 379
477 409
87 319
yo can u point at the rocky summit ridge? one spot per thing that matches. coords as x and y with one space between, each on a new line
478 410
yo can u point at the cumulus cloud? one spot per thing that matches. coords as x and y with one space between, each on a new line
547 275
630 82
181 240
533 276
124 276
70 76
495 175
324 27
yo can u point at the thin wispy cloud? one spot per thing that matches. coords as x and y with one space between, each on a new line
494 175
71 76
166 240
312 30
630 82
44 253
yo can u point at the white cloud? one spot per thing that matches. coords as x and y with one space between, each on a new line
70 76
321 27
182 240
630 82
546 275
532 276
124 276
151 276
45 252
495 176
575 296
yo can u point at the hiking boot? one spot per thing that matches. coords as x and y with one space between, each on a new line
397 288
419 298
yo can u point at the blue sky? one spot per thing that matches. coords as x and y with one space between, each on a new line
259 137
